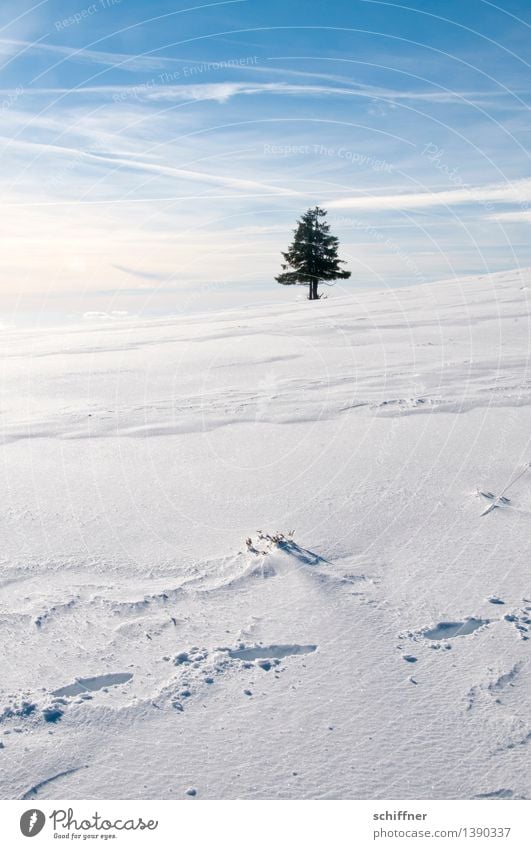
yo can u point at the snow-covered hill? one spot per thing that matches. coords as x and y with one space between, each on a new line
156 643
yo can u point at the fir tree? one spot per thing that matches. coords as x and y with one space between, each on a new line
312 257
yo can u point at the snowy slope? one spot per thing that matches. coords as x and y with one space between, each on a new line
382 652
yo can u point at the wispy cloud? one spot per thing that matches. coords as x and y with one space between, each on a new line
223 91
126 61
518 191
515 216
226 181
161 89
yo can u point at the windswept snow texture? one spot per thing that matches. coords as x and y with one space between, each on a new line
156 644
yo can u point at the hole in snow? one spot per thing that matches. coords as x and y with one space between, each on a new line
445 630
81 685
256 652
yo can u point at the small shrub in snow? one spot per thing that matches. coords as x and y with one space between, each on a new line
267 542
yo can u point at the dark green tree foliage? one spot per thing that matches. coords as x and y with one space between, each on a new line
312 257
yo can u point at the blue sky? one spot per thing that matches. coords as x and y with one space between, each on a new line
155 155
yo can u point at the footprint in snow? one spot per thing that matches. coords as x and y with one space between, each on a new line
438 634
447 630
84 685
197 667
53 711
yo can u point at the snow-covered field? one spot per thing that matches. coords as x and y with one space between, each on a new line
382 652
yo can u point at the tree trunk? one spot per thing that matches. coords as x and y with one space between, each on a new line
313 290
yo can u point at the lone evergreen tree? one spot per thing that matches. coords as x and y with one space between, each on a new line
312 257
